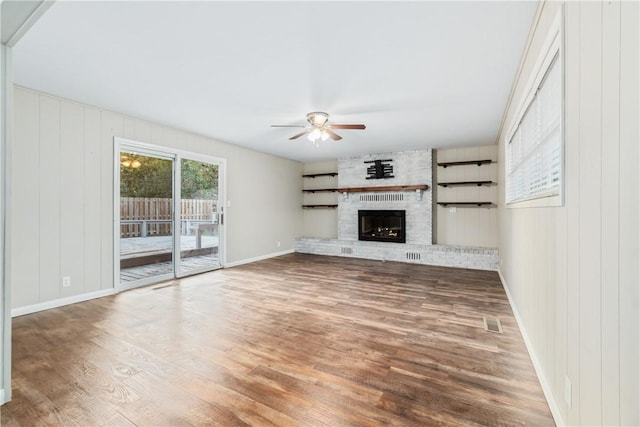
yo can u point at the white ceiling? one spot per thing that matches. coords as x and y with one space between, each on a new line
418 74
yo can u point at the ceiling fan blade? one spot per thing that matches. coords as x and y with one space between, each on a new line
347 126
333 135
300 134
287 126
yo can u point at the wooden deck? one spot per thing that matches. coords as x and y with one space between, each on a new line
298 340
144 271
137 245
147 246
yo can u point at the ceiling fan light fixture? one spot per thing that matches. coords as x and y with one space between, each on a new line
315 135
319 128
317 118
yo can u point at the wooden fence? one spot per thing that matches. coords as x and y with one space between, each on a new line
142 217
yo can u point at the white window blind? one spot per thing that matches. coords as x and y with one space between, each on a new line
533 157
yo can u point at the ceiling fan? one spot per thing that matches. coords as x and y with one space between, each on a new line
319 128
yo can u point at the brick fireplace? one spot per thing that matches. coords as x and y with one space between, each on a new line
402 190
409 168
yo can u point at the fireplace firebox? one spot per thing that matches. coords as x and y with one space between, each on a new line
382 226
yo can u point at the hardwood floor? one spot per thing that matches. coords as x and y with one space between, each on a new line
298 340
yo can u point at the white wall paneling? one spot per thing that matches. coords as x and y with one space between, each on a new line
93 215
25 241
111 124
49 197
571 271
628 211
63 189
610 224
589 229
71 173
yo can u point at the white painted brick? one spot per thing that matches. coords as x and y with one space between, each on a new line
409 168
454 256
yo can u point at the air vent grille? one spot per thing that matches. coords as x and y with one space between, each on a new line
382 197
413 256
492 324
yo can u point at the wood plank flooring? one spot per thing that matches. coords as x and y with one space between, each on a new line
298 340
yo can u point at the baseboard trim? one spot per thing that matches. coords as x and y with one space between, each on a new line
28 309
258 258
551 401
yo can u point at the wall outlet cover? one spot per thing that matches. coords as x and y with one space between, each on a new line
567 391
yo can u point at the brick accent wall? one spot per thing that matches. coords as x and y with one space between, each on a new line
409 168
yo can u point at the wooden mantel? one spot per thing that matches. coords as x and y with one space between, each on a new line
388 188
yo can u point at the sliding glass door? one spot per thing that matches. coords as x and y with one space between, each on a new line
169 214
200 214
146 217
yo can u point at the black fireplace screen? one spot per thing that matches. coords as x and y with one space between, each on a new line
382 226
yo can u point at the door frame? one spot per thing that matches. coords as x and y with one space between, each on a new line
176 155
222 213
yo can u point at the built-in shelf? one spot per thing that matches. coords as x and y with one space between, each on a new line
467 204
464 183
468 162
388 188
313 175
319 206
320 190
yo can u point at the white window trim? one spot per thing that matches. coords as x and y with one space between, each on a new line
553 44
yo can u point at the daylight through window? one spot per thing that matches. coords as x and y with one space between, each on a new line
534 151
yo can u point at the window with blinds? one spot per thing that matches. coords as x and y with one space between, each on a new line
534 144
534 152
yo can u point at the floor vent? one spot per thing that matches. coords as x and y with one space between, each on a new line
413 256
346 251
382 197
492 324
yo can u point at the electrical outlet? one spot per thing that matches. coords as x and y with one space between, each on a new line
452 210
66 281
278 243
567 391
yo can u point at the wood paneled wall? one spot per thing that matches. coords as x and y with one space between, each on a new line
572 271
62 195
